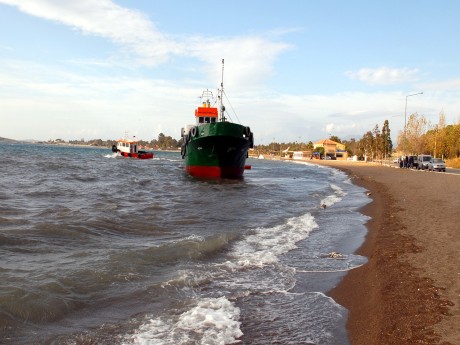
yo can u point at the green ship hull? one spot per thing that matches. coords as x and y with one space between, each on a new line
217 150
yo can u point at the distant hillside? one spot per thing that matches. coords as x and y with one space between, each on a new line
6 140
13 141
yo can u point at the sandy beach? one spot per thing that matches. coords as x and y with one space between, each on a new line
408 293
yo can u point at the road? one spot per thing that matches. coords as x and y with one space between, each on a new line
448 170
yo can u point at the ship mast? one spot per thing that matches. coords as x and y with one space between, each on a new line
220 96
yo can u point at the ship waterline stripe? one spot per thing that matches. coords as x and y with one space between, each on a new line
214 171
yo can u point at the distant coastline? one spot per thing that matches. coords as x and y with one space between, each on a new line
6 140
63 143
13 141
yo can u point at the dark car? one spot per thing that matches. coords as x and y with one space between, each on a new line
413 162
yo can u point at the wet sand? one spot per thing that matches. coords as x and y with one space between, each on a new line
408 293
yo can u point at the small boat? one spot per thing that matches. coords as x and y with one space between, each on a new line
129 148
214 147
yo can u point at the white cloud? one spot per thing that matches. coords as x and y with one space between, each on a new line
244 63
129 28
104 107
340 129
78 102
43 102
59 100
384 75
140 39
443 85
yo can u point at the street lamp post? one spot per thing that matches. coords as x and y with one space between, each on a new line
405 120
435 137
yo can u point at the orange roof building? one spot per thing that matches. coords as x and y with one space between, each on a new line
332 148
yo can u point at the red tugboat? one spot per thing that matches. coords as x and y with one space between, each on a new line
129 148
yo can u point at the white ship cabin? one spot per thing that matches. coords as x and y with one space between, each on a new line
206 114
127 145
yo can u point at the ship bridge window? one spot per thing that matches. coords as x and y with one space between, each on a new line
206 119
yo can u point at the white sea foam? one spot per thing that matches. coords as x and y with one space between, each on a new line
211 321
111 155
266 244
193 238
262 247
333 198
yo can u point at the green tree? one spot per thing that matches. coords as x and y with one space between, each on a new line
365 145
377 143
386 139
451 147
335 138
351 146
320 150
165 142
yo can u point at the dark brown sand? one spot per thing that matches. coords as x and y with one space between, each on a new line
408 293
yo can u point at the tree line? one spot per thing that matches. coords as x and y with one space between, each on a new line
439 140
375 144
419 137
163 142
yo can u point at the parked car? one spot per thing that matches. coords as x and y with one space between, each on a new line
436 164
423 161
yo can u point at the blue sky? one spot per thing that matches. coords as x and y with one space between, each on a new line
294 70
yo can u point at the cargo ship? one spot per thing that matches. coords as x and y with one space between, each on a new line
215 147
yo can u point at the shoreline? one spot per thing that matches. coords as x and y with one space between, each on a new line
12 141
408 292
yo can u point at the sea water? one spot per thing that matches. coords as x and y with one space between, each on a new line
97 249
